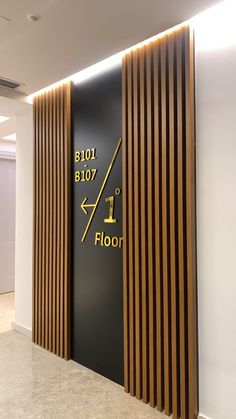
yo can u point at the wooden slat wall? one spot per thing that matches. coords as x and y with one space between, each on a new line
52 198
160 298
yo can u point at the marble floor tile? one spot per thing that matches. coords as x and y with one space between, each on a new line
7 306
34 384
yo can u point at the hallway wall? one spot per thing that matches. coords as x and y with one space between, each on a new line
216 232
7 222
24 220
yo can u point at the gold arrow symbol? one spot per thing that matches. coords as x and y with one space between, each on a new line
84 205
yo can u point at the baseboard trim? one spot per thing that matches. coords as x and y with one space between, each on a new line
201 416
22 329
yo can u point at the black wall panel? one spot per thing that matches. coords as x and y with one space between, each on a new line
97 295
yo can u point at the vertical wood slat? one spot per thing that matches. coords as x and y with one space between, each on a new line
137 236
190 222
50 330
181 231
125 227
67 252
150 215
52 205
173 225
130 230
165 238
55 274
36 218
43 225
143 188
40 227
159 224
158 241
59 191
62 226
47 221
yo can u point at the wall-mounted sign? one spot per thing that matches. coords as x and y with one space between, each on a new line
88 175
97 333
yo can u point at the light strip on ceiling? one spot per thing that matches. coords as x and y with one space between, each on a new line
3 118
11 137
103 65
206 25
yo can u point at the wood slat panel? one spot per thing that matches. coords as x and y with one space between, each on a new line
160 303
52 232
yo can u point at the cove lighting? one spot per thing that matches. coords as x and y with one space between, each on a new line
214 28
3 118
101 66
11 137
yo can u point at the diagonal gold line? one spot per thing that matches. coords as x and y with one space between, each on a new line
102 189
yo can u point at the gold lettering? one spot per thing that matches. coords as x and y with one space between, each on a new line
115 241
97 238
103 239
120 241
107 241
111 218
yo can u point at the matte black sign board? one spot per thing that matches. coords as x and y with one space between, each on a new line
97 312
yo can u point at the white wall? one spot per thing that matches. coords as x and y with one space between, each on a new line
24 220
216 230
7 146
7 222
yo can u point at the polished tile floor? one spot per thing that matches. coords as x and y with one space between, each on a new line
7 305
37 384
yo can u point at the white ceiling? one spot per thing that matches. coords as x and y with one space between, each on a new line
74 34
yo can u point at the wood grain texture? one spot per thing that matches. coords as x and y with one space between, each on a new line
137 235
125 227
52 219
160 289
143 196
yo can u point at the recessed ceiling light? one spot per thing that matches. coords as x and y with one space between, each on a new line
3 118
11 137
33 18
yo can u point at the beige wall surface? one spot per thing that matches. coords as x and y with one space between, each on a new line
24 220
216 229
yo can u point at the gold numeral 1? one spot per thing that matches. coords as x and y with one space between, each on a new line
111 218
